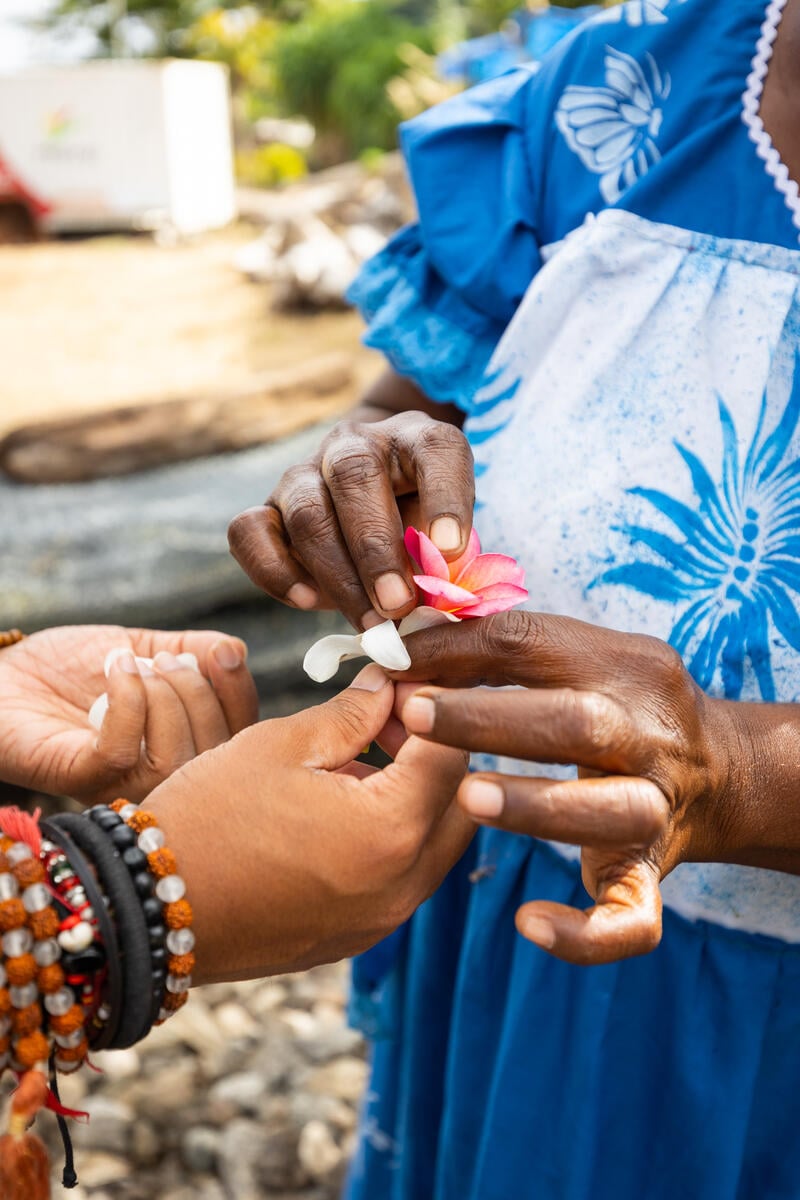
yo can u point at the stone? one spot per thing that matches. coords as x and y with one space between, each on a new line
269 997
65 562
101 1170
118 1064
317 1150
241 1093
344 1078
234 1021
108 1129
200 1148
145 1144
332 1041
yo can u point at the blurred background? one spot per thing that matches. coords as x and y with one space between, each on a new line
186 190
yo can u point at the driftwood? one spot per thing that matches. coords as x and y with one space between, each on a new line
137 437
319 232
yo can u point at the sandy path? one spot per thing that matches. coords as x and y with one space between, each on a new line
90 324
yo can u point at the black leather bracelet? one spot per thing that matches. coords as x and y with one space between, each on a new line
125 840
131 928
100 1035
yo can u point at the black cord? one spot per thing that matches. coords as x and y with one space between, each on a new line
69 1176
108 935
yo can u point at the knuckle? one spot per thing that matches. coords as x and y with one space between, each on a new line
372 546
347 717
353 469
509 635
594 718
439 437
242 528
307 518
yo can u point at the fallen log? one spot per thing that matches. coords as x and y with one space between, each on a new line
137 437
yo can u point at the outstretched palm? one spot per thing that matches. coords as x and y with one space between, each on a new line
49 681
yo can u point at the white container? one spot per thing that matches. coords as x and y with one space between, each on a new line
115 145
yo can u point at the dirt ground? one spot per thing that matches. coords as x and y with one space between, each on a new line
108 321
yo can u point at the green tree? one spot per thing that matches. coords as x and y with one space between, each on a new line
167 21
333 67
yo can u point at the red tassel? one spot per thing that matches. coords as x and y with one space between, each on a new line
55 1106
24 1168
22 827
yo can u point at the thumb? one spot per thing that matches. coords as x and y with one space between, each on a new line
333 734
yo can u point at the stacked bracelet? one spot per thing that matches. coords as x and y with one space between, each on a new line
176 912
96 940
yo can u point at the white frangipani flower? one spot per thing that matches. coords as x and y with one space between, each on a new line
99 709
383 644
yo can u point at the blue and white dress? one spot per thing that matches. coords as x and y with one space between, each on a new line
605 276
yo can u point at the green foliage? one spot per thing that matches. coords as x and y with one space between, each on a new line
169 22
334 67
270 166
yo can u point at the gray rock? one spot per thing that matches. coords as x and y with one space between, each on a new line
109 1127
317 1150
200 1148
148 547
241 1093
145 1144
332 1041
344 1078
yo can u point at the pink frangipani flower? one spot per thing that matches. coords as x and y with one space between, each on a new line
473 585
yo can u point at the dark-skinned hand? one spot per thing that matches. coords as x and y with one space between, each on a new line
653 751
331 534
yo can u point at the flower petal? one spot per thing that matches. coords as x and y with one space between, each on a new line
423 551
431 586
384 646
424 617
472 551
496 599
488 569
322 660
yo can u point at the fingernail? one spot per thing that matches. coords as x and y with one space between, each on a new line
227 654
302 596
419 714
371 679
540 931
392 591
371 618
446 533
483 799
127 663
164 661
144 667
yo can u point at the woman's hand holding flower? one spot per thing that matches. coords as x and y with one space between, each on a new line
331 534
667 774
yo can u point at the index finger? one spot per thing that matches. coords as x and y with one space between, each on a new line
532 649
